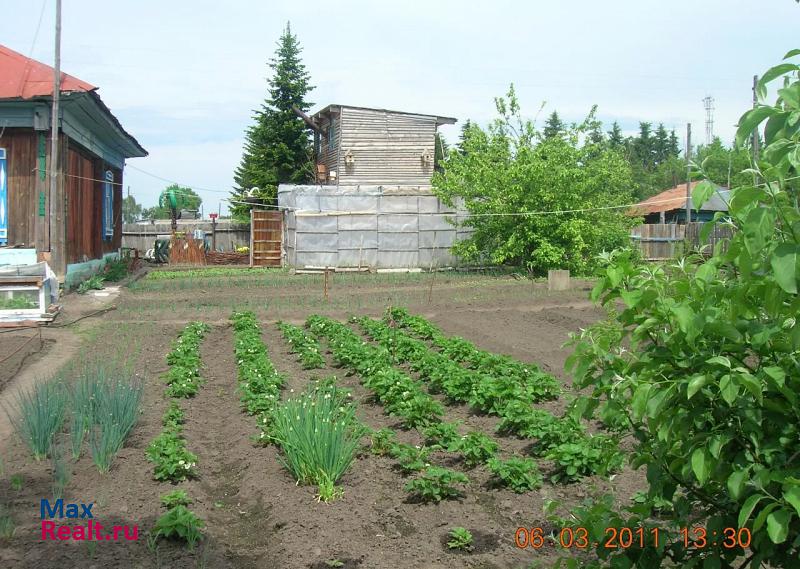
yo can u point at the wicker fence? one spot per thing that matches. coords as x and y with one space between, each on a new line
662 241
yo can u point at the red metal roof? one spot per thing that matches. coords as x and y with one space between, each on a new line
24 78
673 198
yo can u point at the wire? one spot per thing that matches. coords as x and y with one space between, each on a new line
24 76
157 177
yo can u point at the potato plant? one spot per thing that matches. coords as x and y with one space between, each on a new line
259 381
401 396
305 346
436 484
183 377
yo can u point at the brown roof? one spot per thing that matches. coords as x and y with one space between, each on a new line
673 198
25 78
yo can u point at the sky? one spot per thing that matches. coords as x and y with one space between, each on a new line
183 76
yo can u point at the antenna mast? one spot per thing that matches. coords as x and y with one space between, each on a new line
708 103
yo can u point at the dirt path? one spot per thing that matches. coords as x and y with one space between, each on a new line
64 346
219 433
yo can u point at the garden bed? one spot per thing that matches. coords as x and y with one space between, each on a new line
255 514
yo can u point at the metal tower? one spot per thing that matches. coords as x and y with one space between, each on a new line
708 103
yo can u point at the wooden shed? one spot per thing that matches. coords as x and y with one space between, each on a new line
80 224
363 146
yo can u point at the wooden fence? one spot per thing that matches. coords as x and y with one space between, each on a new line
662 241
229 235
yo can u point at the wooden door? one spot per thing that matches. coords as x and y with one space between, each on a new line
266 232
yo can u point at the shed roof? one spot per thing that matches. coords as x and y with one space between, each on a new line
440 120
25 78
675 198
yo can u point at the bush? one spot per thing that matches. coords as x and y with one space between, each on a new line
319 437
709 378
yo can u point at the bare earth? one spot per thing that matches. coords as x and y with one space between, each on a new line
256 516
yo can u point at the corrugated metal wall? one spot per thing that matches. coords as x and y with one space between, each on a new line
373 227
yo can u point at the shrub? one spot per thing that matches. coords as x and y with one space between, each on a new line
437 484
319 437
460 538
39 415
518 474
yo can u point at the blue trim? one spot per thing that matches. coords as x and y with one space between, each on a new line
108 207
3 198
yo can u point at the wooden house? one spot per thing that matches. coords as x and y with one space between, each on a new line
669 206
358 146
79 225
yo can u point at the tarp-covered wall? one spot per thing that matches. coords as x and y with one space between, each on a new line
376 226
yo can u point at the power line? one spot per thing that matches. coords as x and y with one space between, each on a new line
157 177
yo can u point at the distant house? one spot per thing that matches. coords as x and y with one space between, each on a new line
670 206
372 206
75 229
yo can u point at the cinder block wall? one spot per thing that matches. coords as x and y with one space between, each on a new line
377 227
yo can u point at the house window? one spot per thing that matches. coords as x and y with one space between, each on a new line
3 198
332 134
108 206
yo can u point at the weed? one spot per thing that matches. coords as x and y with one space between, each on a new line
7 526
16 482
518 474
460 538
437 484
115 270
319 437
39 415
94 282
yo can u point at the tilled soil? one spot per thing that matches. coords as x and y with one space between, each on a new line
255 514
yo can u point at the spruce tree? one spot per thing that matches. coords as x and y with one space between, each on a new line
661 144
462 138
554 126
615 138
277 146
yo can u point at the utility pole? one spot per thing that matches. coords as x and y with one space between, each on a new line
688 174
54 214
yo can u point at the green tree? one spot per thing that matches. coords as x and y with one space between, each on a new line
462 137
439 151
709 381
724 166
131 211
615 138
186 198
277 146
554 126
509 169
